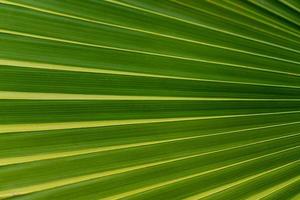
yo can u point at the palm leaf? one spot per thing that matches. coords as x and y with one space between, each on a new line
128 99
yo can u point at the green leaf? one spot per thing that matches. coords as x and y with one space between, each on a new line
147 99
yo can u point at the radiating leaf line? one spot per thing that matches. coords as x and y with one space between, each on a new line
227 7
145 53
274 146
289 192
128 99
69 96
276 188
161 35
289 4
260 18
85 124
236 183
73 180
39 157
192 23
273 11
161 184
39 65
263 18
139 30
232 20
291 15
200 25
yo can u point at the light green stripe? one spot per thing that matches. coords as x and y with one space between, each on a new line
39 157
